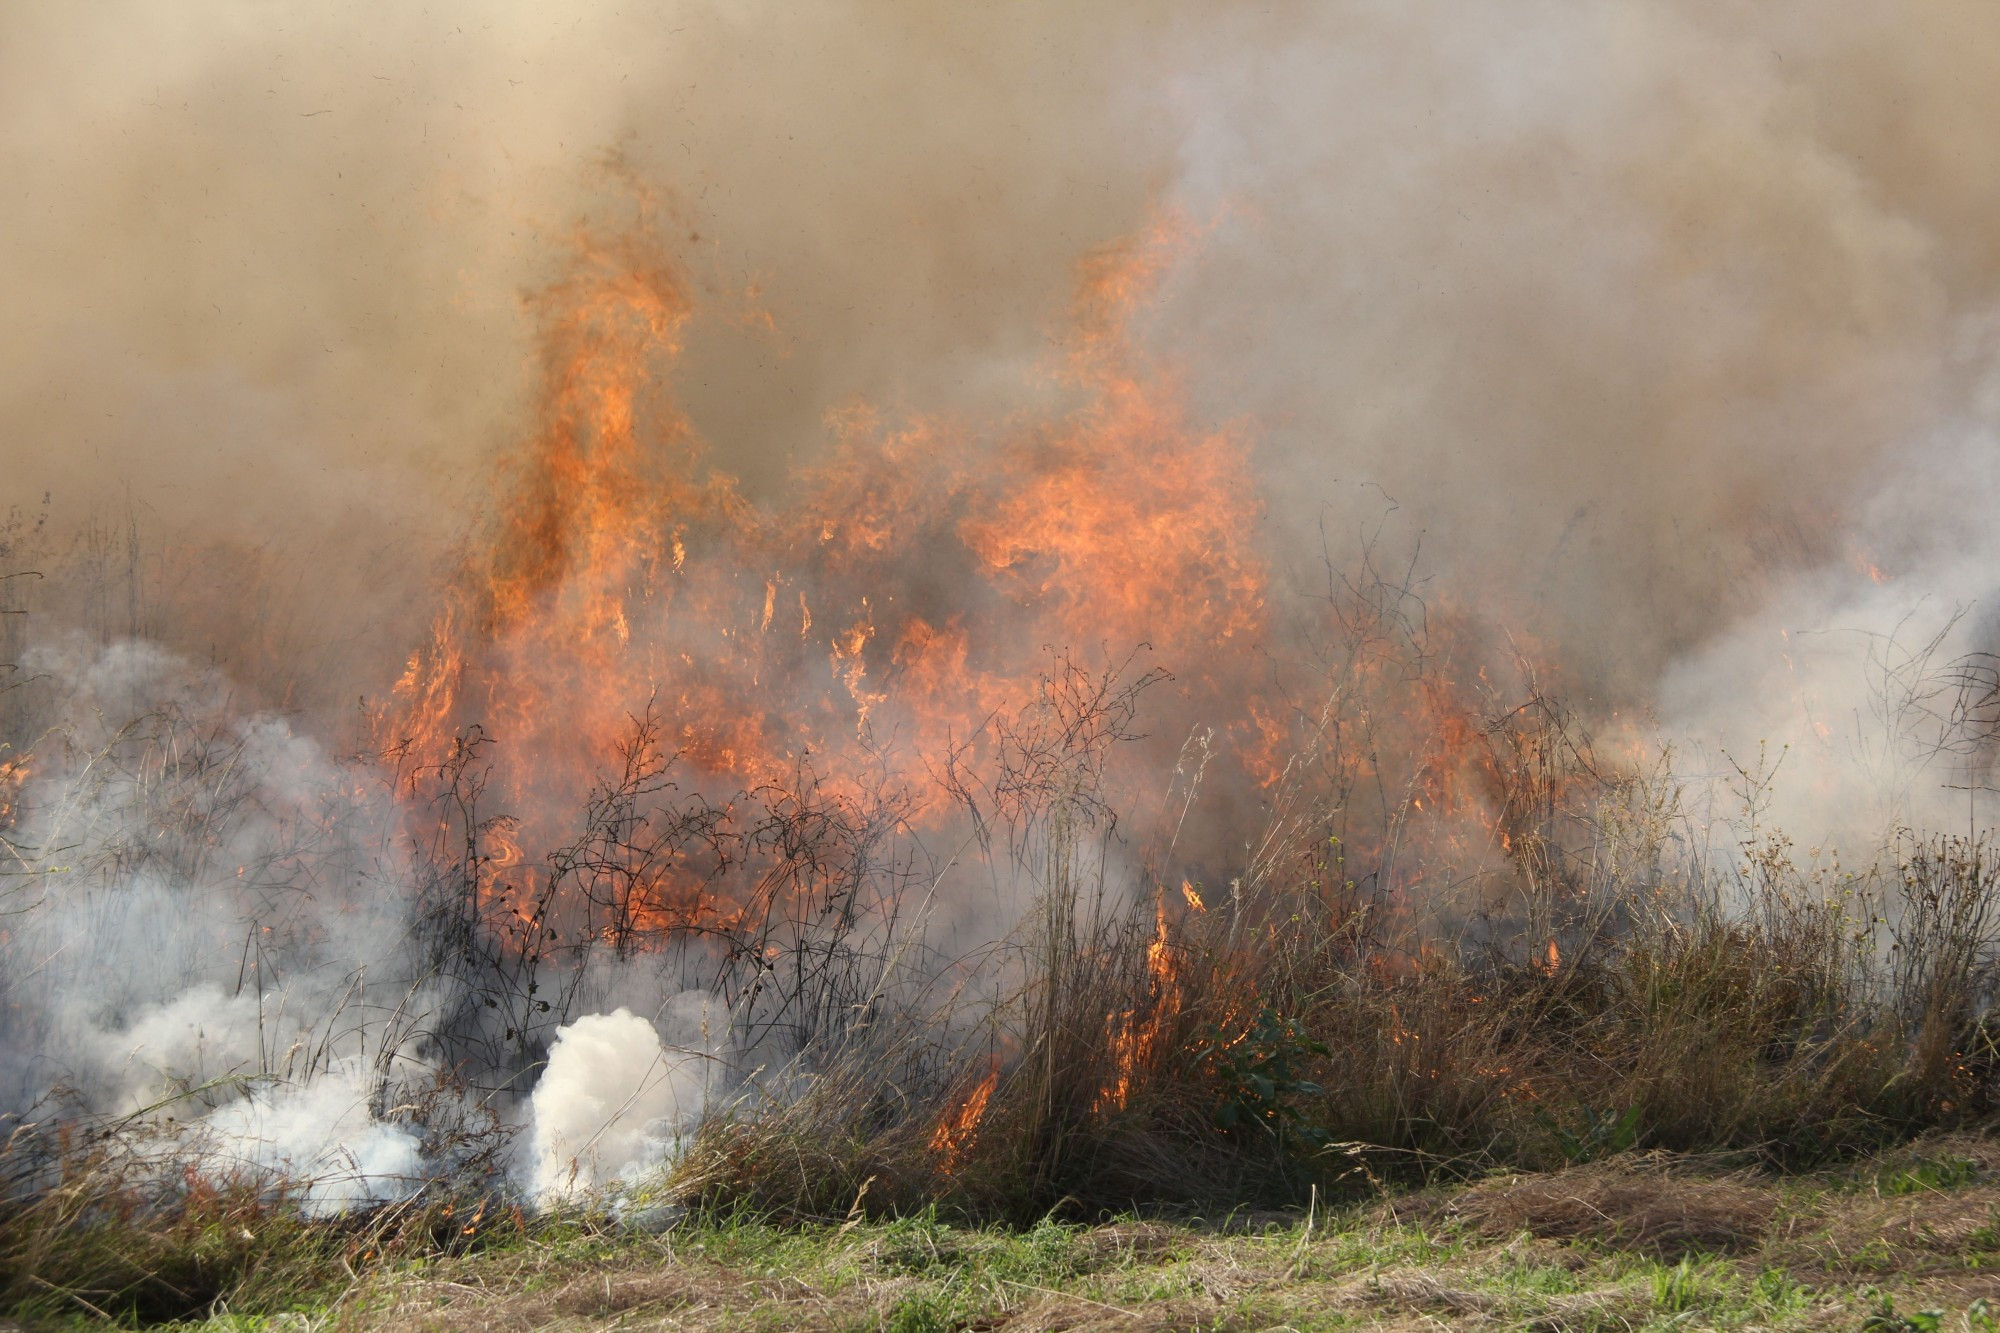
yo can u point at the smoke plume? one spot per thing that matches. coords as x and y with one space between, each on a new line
1657 340
610 1102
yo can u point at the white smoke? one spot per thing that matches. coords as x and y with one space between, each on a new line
207 931
1847 692
322 1137
209 942
612 1101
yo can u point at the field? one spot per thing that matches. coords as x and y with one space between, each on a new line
1909 1241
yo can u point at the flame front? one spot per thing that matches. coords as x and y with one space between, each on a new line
911 588
899 601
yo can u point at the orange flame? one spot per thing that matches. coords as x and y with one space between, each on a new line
958 1130
887 607
1135 1036
901 598
13 776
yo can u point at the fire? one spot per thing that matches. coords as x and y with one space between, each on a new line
956 1132
896 603
908 591
1126 523
13 776
1864 564
1135 1036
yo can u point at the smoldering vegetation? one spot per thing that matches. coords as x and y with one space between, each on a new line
1467 643
338 1041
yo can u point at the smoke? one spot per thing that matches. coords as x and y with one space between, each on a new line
1674 350
1665 332
322 1135
1859 694
1624 307
211 944
207 932
612 1100
270 275
1616 305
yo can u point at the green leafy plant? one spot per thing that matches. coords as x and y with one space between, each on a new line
1260 1079
1886 1320
1597 1134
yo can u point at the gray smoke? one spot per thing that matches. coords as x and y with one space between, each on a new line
207 933
211 946
1669 330
1629 308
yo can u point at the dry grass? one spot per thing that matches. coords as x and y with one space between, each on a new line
1677 1244
1369 1003
1635 1205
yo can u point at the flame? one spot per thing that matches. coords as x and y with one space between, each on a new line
958 1130
906 591
1864 564
13 776
1134 1036
892 602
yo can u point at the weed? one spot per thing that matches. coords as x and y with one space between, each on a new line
921 1312
1260 1081
1885 1319
1597 1134
1682 1287
1925 1175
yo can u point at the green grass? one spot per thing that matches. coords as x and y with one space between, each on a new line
1900 1244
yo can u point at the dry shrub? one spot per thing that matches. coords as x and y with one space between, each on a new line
1490 943
88 1228
828 1154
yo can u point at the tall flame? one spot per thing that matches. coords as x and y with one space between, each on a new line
910 587
1135 1036
903 593
959 1127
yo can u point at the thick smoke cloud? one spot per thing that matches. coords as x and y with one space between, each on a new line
1667 329
208 937
1628 308
612 1099
268 265
1632 308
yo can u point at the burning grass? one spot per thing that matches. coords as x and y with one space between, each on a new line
1353 1014
935 914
